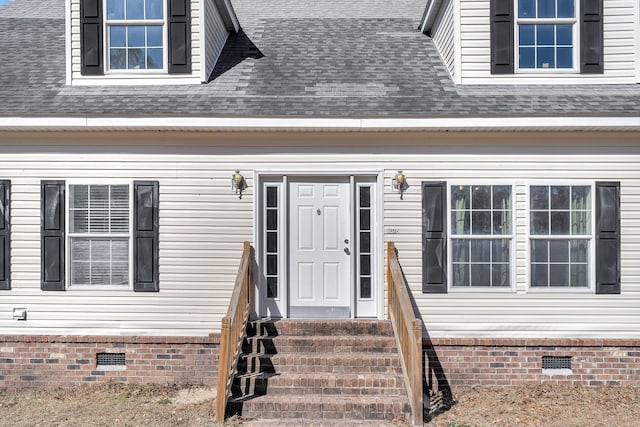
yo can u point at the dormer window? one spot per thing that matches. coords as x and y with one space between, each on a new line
529 36
546 30
130 37
135 35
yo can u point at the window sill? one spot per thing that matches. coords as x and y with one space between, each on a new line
560 290
84 288
481 289
137 79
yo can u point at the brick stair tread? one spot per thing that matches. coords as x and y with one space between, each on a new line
287 422
315 358
329 383
327 339
327 327
323 399
315 355
315 407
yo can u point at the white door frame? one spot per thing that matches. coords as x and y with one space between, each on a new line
260 177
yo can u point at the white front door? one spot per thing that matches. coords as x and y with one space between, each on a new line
320 273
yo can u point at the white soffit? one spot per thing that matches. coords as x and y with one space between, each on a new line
245 124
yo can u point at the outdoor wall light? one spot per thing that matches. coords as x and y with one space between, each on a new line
399 184
238 183
19 314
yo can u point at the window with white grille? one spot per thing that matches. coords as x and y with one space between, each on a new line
99 234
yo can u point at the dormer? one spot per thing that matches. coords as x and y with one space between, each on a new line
536 41
138 42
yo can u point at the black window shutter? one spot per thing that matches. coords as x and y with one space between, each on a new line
502 43
607 237
52 218
5 234
179 36
91 37
591 37
434 237
145 236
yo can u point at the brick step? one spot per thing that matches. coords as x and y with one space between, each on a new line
319 344
259 384
320 327
284 422
386 363
319 407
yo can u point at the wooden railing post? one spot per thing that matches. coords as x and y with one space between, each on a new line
407 329
223 367
391 252
233 327
418 405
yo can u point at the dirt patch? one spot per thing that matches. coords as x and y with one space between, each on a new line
150 405
543 405
108 405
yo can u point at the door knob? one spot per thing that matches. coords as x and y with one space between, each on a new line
347 251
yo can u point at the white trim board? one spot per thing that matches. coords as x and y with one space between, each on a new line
216 124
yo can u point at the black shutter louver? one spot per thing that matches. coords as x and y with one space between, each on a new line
434 237
91 37
502 43
607 237
145 236
591 37
52 220
5 234
179 21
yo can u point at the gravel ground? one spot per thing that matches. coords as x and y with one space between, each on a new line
158 406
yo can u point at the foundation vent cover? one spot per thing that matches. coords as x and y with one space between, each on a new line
556 362
111 359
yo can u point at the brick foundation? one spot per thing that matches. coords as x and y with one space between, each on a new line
67 361
504 362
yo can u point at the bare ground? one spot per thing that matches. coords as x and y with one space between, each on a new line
543 405
149 405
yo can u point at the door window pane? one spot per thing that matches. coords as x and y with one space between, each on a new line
272 237
364 247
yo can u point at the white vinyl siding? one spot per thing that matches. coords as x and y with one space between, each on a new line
203 224
443 36
216 36
620 46
159 78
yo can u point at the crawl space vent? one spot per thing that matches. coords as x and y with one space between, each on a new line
111 359
556 362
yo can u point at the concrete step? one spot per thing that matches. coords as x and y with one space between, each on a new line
319 407
366 363
298 384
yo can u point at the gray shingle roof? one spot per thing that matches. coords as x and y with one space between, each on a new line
315 58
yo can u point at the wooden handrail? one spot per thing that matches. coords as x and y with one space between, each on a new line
233 328
407 328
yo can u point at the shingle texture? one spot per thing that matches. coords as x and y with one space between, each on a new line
316 58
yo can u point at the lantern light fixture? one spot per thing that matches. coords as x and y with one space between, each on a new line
399 183
238 183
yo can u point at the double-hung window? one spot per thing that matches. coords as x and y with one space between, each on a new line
560 235
99 224
481 235
546 34
135 35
